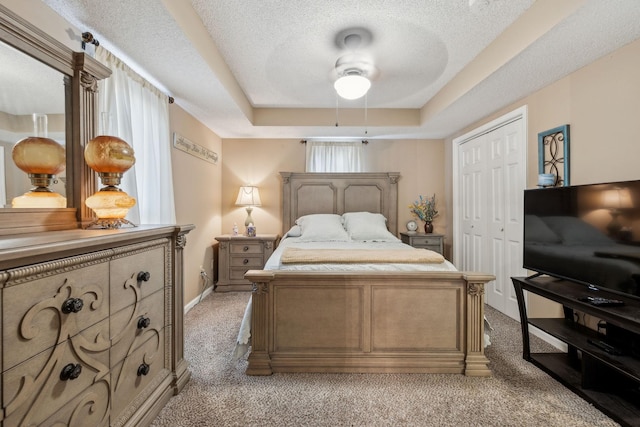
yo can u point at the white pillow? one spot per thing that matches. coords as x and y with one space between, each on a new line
293 232
322 228
367 226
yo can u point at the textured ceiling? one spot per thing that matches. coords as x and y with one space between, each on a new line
265 68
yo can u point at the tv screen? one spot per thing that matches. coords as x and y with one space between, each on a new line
585 233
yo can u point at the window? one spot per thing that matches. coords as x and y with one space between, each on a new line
334 156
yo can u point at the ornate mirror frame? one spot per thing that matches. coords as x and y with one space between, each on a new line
81 122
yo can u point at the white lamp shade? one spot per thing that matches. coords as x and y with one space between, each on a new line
352 86
248 196
618 198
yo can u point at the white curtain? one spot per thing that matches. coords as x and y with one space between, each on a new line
334 156
134 110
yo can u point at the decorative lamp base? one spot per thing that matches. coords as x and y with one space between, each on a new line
39 199
110 205
110 223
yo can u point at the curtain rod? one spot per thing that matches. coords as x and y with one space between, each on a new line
87 38
364 141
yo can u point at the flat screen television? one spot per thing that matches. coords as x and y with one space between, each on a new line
585 233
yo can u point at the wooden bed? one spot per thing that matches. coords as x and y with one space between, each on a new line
406 322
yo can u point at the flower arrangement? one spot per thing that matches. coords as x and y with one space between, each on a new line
424 208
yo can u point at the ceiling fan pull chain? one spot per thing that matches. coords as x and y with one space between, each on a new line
366 122
337 110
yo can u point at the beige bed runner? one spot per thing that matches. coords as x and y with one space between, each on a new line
346 256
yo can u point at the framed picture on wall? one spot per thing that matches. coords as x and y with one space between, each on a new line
553 154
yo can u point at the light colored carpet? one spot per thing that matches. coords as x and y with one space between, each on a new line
220 394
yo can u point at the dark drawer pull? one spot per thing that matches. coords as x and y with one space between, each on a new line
143 369
144 276
71 372
245 261
246 248
143 322
72 305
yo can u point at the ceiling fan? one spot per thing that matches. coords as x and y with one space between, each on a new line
355 68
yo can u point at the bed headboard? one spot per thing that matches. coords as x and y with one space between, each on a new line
307 193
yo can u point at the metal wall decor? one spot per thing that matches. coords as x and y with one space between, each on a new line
553 154
183 144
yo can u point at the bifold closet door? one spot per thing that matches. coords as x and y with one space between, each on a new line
492 177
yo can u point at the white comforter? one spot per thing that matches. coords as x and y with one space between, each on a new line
273 263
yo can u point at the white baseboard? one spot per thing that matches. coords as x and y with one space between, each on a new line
196 300
560 345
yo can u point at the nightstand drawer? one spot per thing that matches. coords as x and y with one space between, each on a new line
238 273
433 242
247 261
419 241
246 248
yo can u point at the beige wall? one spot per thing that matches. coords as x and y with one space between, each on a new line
196 185
258 162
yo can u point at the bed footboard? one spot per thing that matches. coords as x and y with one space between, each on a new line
408 322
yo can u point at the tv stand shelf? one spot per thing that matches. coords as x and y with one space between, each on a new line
610 381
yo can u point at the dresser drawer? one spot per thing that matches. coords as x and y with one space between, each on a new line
129 282
126 332
34 389
245 248
33 317
128 383
77 413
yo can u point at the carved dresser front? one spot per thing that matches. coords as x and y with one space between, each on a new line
91 326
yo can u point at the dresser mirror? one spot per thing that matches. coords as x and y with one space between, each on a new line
28 87
39 74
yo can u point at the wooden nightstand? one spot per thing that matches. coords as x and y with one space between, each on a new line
237 254
433 242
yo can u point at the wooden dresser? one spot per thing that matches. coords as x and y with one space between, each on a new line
92 325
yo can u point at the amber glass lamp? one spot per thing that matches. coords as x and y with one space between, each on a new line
42 159
110 157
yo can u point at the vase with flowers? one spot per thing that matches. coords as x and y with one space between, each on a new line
425 210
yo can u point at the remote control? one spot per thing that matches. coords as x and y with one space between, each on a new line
606 347
602 301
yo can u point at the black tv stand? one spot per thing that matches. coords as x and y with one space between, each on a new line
604 369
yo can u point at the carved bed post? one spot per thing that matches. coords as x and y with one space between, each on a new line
476 362
286 202
259 360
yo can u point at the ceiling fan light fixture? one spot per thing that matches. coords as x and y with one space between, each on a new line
352 85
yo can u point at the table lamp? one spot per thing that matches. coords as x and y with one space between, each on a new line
42 159
249 197
110 157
